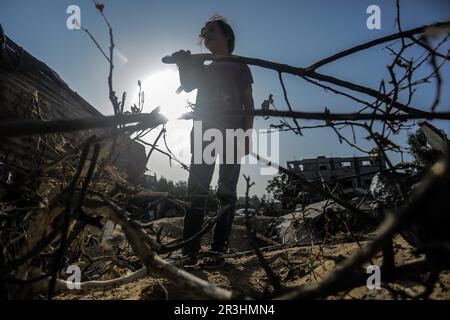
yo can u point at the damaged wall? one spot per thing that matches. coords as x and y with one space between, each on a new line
338 168
29 89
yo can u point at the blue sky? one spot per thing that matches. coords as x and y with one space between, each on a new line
292 32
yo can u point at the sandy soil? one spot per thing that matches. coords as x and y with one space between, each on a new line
294 266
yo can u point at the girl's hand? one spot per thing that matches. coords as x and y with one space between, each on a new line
190 69
184 58
180 57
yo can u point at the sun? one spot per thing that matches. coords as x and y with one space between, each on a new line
160 90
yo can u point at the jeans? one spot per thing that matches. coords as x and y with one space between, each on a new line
198 188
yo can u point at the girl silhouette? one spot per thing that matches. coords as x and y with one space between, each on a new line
221 86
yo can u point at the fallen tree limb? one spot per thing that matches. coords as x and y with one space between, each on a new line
251 252
136 237
325 115
311 73
367 45
271 275
63 285
24 127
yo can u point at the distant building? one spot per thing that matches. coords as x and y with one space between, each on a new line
351 173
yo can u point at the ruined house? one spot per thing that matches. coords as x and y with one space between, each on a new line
31 90
351 173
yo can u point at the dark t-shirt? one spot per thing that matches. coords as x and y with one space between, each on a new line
220 88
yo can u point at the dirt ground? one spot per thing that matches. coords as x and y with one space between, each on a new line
294 266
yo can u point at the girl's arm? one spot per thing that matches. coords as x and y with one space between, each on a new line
247 94
248 106
248 122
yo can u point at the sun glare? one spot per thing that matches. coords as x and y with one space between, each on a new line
160 90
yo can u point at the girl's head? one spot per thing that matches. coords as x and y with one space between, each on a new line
218 36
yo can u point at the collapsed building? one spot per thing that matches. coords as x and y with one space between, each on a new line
310 217
351 173
30 90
